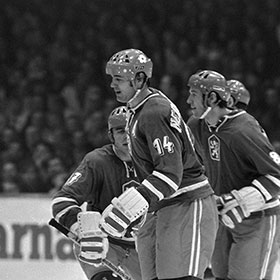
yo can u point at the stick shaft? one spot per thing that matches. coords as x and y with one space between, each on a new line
73 237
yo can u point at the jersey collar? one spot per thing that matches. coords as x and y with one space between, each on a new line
224 119
140 98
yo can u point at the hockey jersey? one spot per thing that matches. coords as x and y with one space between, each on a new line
162 152
99 178
237 153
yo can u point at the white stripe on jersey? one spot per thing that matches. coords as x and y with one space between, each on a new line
269 205
147 184
273 179
63 199
166 180
272 230
196 238
262 189
190 188
64 211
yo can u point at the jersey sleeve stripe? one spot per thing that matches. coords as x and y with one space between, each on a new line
272 204
273 180
63 199
190 188
166 180
262 189
148 185
64 211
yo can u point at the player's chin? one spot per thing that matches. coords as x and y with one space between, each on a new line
120 98
195 113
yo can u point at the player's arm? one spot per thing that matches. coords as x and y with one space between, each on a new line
164 141
166 154
265 160
67 201
239 204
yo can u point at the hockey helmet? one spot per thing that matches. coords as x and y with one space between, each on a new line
207 81
117 118
128 63
238 92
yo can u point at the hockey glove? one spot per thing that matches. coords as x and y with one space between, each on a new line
238 205
122 212
94 243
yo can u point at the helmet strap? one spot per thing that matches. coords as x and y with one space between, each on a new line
208 109
206 105
135 95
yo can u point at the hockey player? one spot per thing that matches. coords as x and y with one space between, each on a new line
244 170
177 240
103 174
239 95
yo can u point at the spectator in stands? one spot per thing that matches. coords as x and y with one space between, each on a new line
10 178
52 58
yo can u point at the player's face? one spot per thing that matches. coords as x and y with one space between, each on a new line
123 88
195 100
120 139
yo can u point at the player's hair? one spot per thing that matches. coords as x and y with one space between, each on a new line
241 105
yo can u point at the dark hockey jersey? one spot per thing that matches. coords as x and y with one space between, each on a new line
237 153
162 152
99 178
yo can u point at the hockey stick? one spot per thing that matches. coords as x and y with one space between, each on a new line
73 237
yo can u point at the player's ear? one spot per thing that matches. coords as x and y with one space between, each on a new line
111 136
230 102
212 98
140 80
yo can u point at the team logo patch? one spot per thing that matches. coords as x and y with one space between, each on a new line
214 147
73 178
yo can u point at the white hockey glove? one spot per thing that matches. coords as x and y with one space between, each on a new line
94 243
75 229
238 205
122 212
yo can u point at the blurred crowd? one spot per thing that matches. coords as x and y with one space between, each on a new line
55 96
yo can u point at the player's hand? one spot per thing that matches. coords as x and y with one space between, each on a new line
94 243
231 212
75 230
238 205
122 212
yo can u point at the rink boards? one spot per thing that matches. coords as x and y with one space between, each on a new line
30 248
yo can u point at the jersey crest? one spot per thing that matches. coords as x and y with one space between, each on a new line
214 147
